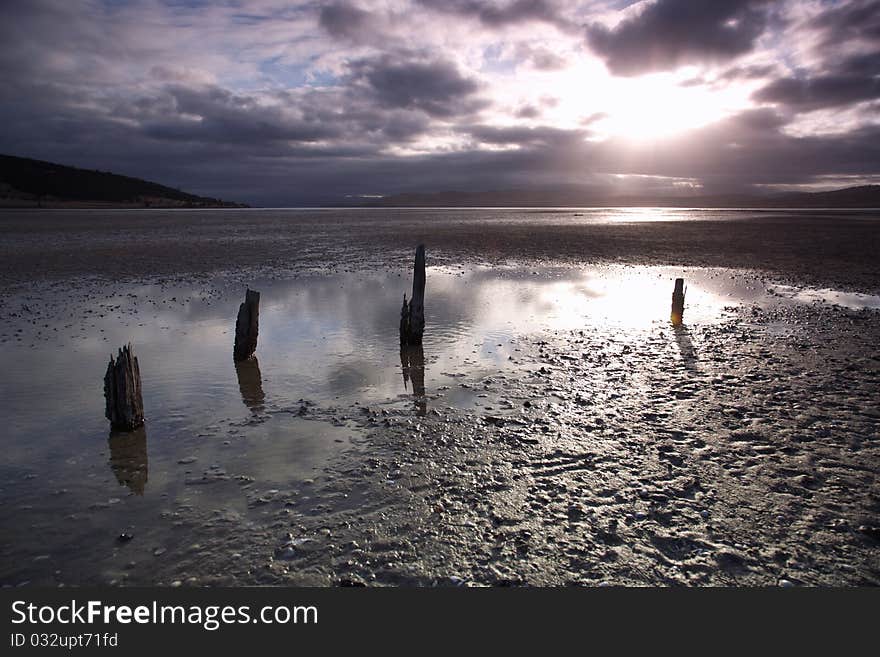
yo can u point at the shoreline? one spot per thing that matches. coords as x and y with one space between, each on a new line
98 205
819 249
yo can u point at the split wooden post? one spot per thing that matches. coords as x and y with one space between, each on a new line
678 302
412 314
247 326
122 391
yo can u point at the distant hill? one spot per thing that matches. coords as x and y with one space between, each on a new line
867 196
35 183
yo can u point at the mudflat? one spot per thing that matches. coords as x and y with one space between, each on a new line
554 428
822 247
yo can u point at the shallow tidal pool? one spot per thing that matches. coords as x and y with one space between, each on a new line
73 493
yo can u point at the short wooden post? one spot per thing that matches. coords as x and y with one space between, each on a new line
412 314
122 391
247 326
678 302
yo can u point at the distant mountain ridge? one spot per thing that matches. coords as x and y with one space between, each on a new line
25 182
865 196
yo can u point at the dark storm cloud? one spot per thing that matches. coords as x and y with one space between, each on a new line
347 21
221 119
836 80
436 87
853 20
806 94
45 39
752 72
866 64
344 20
525 136
181 123
211 114
500 14
849 80
669 33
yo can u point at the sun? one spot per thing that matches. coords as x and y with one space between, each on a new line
642 108
658 106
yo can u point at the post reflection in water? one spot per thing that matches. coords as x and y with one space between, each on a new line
412 362
250 384
128 459
685 347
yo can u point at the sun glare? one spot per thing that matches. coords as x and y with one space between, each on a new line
654 107
641 108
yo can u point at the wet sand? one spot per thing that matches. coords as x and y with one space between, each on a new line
739 449
833 248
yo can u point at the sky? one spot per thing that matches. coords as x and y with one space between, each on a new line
296 103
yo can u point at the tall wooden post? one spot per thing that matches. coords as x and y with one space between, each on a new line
412 314
122 391
678 302
247 326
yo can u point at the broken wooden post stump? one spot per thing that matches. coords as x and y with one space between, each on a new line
247 326
412 314
122 391
678 301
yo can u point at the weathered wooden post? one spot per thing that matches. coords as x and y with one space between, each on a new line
678 302
412 314
122 391
247 326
